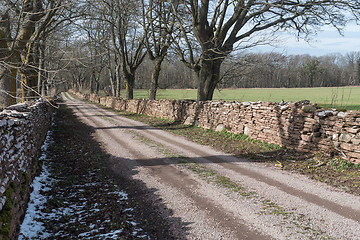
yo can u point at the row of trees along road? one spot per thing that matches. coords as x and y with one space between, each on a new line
87 43
25 27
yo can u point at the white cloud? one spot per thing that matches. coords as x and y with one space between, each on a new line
325 42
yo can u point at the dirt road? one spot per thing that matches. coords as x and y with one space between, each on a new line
211 195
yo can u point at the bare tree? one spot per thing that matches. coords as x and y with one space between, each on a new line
222 26
353 66
18 50
159 25
126 36
24 27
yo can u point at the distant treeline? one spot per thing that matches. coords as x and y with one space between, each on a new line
251 70
265 70
273 70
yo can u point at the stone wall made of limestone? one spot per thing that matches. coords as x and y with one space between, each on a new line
300 125
23 128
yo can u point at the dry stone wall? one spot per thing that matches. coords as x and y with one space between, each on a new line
300 125
23 128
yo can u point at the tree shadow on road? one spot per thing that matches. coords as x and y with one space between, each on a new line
145 201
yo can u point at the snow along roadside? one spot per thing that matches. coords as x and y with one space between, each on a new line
33 225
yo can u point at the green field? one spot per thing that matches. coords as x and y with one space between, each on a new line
339 97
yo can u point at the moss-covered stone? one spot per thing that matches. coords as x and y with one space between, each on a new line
25 183
6 213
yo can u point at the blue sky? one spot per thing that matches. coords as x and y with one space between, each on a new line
325 42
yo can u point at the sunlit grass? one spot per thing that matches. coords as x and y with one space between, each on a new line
337 97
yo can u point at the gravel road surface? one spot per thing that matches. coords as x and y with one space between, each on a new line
213 195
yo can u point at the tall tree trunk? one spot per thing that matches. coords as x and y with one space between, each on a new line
118 80
208 77
29 77
129 83
41 79
8 70
7 86
92 82
97 85
28 49
112 82
43 89
155 77
29 80
33 12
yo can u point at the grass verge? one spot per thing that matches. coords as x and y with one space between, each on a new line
268 207
322 166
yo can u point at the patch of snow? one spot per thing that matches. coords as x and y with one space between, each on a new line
63 211
143 236
2 189
133 223
86 234
2 202
111 235
31 228
135 234
121 194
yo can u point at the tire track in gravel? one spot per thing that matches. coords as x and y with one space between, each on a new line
345 211
179 180
337 207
